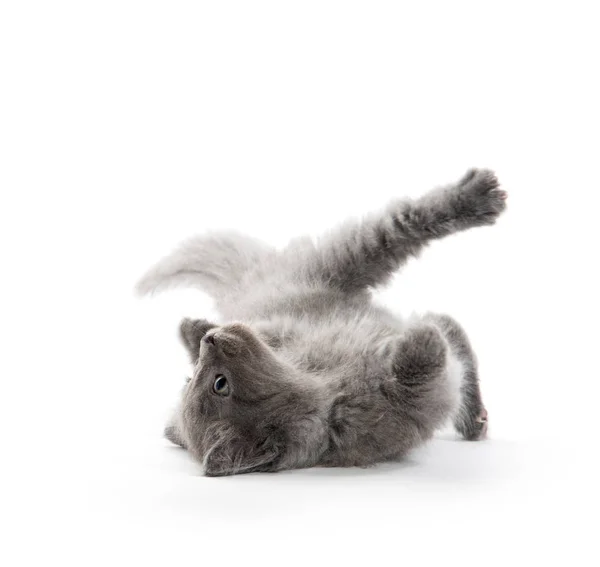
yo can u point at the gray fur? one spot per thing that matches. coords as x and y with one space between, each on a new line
316 373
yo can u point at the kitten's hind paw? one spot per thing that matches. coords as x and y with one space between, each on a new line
481 427
473 427
478 198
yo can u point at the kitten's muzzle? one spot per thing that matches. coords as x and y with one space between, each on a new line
209 339
222 342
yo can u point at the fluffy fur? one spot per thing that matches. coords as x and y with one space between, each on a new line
316 374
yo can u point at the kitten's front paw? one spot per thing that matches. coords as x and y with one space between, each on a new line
478 199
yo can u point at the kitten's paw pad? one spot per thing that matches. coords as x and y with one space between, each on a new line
479 199
482 417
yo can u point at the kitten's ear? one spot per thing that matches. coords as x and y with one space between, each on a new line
239 456
191 332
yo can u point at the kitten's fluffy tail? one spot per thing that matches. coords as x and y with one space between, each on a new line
213 262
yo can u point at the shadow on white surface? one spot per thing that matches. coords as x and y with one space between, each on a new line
445 459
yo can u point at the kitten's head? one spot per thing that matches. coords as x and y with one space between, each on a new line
244 409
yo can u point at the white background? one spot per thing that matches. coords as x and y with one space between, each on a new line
127 126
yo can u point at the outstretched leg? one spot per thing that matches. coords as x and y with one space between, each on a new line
471 419
366 254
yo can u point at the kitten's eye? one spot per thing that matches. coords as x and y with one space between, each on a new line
221 386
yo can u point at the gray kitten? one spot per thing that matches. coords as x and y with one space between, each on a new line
308 371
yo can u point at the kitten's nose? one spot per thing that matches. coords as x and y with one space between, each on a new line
210 339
